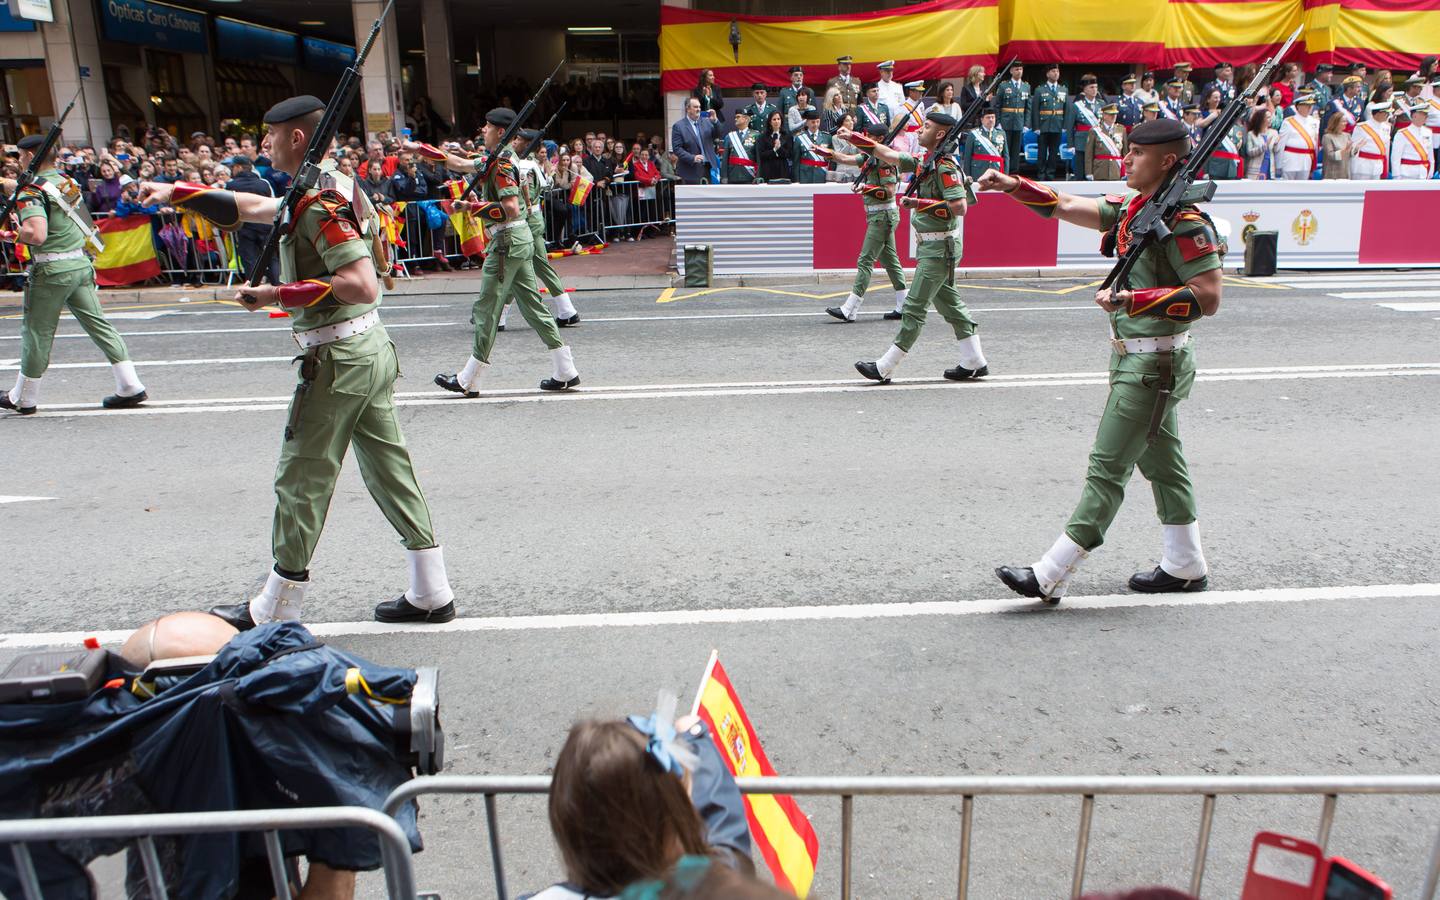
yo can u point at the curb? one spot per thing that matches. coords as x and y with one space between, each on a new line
771 280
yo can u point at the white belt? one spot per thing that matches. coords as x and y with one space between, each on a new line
1150 344
329 334
923 236
878 207
55 257
492 230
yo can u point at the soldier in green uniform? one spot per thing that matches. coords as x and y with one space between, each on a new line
1152 367
985 147
877 191
788 92
507 271
56 227
533 185
1048 103
1012 98
809 162
1081 116
935 211
1224 164
738 159
345 396
844 81
1187 87
870 110
1319 86
761 109
1106 147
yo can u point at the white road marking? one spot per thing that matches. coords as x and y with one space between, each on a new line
4 499
152 363
1385 295
1411 307
747 389
1073 605
1357 278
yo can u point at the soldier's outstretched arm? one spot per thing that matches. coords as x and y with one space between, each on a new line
867 144
1044 201
225 208
434 154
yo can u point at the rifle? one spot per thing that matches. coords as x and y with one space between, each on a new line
1150 225
869 161
27 177
510 131
545 129
954 133
309 174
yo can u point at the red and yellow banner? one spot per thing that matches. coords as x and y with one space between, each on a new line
129 256
1382 34
468 229
1207 32
926 40
780 830
1091 31
580 190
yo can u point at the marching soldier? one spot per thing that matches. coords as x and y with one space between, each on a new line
1082 115
761 109
788 92
1176 282
533 185
1105 147
871 111
1224 82
1013 100
934 210
984 147
1227 163
345 396
1187 87
1172 105
1298 141
1130 106
1370 146
848 84
1319 86
1349 104
739 166
1411 153
809 162
877 190
56 226
506 272
1047 120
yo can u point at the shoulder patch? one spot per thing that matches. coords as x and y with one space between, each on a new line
1195 243
1114 198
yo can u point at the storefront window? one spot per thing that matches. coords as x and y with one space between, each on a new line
174 110
612 75
24 101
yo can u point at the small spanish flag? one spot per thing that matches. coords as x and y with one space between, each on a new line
584 181
468 229
129 255
781 831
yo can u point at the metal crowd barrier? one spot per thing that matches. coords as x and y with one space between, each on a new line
184 261
968 788
395 847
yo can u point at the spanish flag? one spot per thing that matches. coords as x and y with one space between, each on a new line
584 182
927 40
1092 31
1382 34
129 256
1206 32
780 829
468 229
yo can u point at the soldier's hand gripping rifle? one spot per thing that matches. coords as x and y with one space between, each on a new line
510 131
27 177
1150 225
869 162
309 173
953 134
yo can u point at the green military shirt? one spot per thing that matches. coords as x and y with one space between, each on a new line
880 175
1081 115
1321 92
1047 108
789 100
739 145
1192 249
326 237
1013 100
1187 93
62 233
984 150
532 188
809 166
1227 167
943 183
866 112
759 114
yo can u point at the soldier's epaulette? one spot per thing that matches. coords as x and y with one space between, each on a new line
330 200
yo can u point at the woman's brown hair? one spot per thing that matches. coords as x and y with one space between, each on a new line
1335 125
616 815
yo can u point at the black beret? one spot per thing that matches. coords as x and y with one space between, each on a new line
292 109
500 116
530 134
1158 131
811 113
30 142
1324 67
865 86
1089 79
940 118
875 129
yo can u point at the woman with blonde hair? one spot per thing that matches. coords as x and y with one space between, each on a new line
831 111
974 84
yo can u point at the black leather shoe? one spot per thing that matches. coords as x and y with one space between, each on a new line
6 404
115 401
871 371
960 373
1160 581
555 384
451 383
1024 583
838 313
568 323
401 610
499 327
893 315
237 614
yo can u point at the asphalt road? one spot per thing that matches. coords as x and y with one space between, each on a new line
723 455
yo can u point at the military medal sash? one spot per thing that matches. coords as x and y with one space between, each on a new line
1422 151
1299 127
1379 151
992 153
811 158
872 114
1090 120
738 156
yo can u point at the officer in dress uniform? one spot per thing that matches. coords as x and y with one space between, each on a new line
1187 87
55 225
345 397
1299 140
1048 103
1370 146
1400 104
1012 98
935 209
1191 120
848 84
890 93
1082 115
1105 147
788 93
871 110
533 184
1228 162
738 148
877 191
984 147
1359 70
1349 104
1411 150
914 112
1150 112
1172 105
506 272
1152 367
761 108
809 163
1130 105
1319 86
1224 82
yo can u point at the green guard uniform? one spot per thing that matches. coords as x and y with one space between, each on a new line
739 161
1047 120
985 149
809 165
1012 100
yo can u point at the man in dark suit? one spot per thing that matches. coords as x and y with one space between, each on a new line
692 139
251 237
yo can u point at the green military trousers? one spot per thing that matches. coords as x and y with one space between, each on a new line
350 403
1120 446
934 282
47 292
879 244
540 260
509 272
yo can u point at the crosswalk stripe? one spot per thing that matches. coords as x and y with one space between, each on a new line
1319 281
1385 295
1411 307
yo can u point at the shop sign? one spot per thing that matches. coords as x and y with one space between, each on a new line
34 10
253 43
325 56
153 25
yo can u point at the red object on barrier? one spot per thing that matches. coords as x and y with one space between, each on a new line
1387 228
1283 868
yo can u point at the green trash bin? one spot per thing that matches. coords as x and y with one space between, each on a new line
699 265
